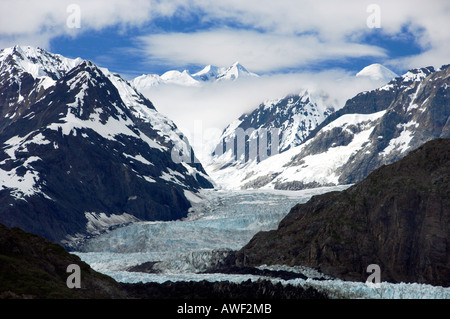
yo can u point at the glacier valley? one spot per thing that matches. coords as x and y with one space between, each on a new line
220 221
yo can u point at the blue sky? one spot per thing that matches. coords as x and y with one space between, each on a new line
136 37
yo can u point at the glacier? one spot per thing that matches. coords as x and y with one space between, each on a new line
220 221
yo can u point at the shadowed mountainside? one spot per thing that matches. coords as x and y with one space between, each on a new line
398 217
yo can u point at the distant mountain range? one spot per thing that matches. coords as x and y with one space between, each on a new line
209 73
343 146
82 151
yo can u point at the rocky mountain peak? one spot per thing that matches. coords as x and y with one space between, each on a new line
37 61
85 145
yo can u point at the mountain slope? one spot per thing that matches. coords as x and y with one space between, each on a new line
86 153
398 217
407 112
374 128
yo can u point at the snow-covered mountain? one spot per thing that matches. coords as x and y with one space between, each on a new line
378 73
374 128
81 150
234 72
209 73
294 117
39 63
277 124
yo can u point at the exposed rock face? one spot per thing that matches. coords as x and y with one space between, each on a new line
294 115
416 110
398 217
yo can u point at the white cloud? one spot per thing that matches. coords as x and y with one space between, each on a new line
18 17
330 19
291 30
434 56
258 51
271 35
47 19
428 22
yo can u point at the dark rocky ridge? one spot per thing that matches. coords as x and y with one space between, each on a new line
282 112
398 217
291 118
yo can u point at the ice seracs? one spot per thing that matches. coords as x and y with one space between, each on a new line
183 250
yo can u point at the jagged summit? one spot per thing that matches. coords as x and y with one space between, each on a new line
37 61
294 115
208 73
234 72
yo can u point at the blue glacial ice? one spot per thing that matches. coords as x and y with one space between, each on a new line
222 220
